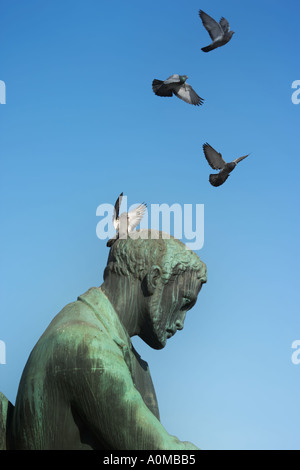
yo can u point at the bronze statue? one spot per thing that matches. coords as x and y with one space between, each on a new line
84 386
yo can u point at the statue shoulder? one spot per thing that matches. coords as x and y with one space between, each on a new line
75 332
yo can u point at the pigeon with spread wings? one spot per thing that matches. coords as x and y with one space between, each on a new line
219 32
216 161
127 221
176 84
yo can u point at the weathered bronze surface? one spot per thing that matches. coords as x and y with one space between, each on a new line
84 386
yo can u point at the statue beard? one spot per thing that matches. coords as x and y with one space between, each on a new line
160 319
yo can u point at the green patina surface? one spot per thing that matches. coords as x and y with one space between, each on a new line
84 386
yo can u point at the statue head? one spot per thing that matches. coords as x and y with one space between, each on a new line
169 277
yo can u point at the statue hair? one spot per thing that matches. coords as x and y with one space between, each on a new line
145 248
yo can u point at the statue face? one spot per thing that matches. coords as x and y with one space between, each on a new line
167 307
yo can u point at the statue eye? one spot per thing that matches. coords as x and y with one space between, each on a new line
187 303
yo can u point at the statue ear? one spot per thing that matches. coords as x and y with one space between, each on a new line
151 279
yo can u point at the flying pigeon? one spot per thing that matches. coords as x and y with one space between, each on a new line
219 32
177 84
127 221
216 161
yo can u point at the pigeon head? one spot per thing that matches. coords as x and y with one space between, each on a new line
230 34
183 78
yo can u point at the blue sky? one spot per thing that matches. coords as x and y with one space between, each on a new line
81 124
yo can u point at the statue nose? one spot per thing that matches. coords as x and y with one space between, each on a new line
180 321
179 324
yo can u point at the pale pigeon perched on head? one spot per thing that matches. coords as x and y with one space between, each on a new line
219 32
176 84
127 221
216 161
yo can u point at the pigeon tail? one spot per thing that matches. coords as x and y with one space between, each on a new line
160 89
215 180
156 84
111 241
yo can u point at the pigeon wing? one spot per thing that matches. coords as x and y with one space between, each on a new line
237 160
224 25
116 212
187 94
172 79
213 157
135 216
213 28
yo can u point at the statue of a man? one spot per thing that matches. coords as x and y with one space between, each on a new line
84 386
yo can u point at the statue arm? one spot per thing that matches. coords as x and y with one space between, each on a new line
113 409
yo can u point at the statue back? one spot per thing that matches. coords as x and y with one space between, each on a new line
6 410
